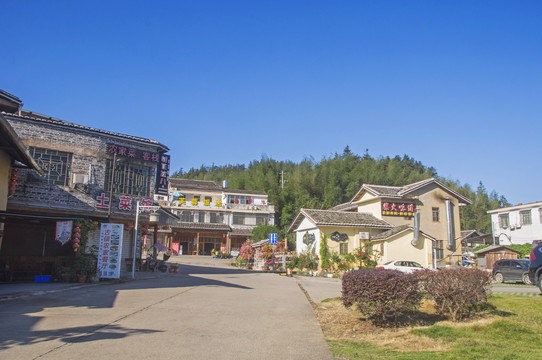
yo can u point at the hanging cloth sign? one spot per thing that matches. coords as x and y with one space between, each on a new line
63 231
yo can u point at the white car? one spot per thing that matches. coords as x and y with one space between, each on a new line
405 266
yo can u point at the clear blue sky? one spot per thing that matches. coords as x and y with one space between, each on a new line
455 84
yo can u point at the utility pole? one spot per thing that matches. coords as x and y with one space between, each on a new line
282 179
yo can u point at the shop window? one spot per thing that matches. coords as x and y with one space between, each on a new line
525 217
343 248
436 215
504 221
55 164
129 179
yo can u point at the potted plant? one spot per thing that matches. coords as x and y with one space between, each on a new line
174 268
84 266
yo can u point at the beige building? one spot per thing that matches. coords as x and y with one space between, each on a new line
418 222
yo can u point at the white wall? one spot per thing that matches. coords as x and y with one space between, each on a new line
516 233
306 226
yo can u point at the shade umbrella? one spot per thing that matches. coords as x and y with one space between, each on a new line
160 247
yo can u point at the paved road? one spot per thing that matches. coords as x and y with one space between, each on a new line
203 312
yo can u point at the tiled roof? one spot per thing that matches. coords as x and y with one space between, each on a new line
395 231
189 184
405 191
339 218
495 248
241 231
344 207
12 144
35 117
201 226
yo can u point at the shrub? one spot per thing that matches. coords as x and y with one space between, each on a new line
247 252
324 254
455 291
380 293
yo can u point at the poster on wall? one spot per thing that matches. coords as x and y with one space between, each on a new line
63 231
109 254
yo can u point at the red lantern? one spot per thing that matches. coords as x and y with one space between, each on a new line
76 236
75 246
77 230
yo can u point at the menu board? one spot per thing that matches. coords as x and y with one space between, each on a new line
109 254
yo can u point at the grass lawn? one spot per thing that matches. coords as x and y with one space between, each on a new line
512 331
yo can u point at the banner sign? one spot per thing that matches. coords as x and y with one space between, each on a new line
162 175
63 231
398 209
109 254
133 153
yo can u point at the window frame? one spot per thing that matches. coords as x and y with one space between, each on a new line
525 215
435 214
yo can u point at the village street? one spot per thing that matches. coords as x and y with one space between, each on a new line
208 310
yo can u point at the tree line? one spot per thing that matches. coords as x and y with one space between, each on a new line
335 180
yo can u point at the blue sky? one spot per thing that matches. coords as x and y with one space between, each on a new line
456 85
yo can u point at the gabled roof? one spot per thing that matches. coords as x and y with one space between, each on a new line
495 248
344 207
407 190
396 231
516 207
9 103
340 219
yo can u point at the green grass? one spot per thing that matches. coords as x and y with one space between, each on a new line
516 334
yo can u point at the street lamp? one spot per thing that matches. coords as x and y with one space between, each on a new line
140 208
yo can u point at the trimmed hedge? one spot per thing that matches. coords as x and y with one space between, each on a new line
455 291
381 294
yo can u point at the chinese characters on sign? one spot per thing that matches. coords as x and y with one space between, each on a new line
109 253
398 209
133 153
162 175
103 201
63 231
125 202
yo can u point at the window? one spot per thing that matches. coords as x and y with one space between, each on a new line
540 215
187 216
343 248
439 249
504 221
239 199
238 219
436 217
217 218
261 219
55 164
201 216
129 179
525 217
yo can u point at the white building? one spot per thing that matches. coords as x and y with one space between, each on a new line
516 225
213 216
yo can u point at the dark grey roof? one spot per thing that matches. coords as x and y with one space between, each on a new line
12 144
44 119
241 231
395 231
242 192
495 248
344 207
405 191
201 226
189 184
340 219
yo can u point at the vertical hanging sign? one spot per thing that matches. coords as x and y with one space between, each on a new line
162 175
109 253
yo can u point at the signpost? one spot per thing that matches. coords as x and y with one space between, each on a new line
273 241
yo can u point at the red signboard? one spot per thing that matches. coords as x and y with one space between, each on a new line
398 209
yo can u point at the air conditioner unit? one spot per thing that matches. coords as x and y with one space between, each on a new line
80 179
365 235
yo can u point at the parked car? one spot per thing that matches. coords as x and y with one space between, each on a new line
511 270
405 266
535 266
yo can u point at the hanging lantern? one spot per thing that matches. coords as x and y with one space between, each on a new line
13 181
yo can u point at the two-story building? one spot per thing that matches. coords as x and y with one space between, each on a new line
88 174
213 216
418 222
516 225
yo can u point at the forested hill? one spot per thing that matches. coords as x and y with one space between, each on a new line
335 180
